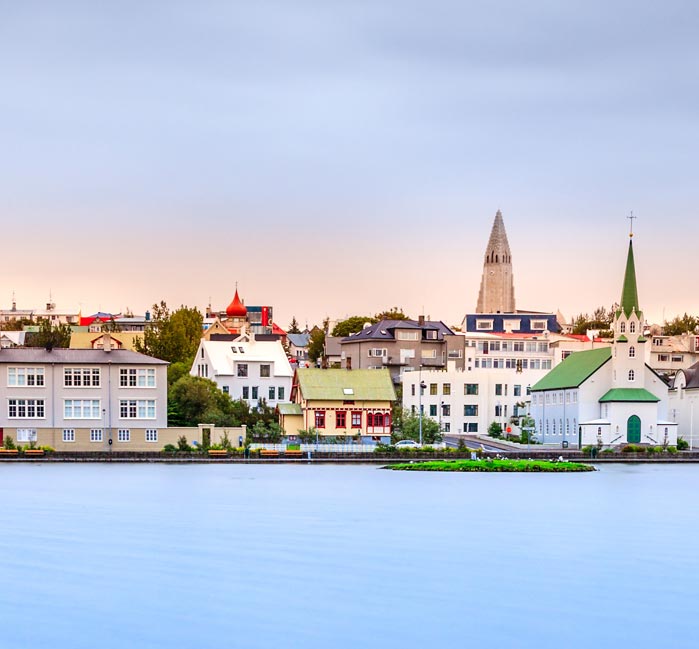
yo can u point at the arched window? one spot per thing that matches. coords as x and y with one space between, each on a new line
632 327
632 352
370 420
632 375
622 327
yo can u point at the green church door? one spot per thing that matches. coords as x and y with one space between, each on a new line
633 430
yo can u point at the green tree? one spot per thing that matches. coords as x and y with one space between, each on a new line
316 345
681 325
172 337
175 371
394 313
495 429
410 429
111 326
351 325
16 325
600 319
193 400
293 327
49 336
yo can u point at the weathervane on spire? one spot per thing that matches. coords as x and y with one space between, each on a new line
631 217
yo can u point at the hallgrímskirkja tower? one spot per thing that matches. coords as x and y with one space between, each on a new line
497 293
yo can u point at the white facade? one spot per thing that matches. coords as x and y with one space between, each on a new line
683 407
247 369
113 393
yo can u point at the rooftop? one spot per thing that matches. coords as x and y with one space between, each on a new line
574 370
346 385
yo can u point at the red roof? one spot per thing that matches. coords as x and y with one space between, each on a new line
236 309
277 330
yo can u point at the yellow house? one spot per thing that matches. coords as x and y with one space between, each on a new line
340 403
93 340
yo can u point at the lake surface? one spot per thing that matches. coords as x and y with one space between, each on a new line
123 555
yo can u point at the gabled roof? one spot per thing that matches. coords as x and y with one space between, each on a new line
346 385
223 358
289 409
299 340
629 394
574 370
61 356
384 330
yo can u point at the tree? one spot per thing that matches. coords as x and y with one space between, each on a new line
175 371
49 336
316 345
172 337
16 325
307 436
193 400
394 313
495 429
600 319
111 326
351 325
410 429
293 327
681 325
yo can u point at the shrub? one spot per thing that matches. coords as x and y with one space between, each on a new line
672 450
652 450
632 448
608 451
9 443
495 429
682 444
462 444
384 448
183 446
169 448
588 450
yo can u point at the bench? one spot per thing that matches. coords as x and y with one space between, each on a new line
268 453
293 453
218 452
34 451
8 451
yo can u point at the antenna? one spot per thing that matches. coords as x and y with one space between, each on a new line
631 217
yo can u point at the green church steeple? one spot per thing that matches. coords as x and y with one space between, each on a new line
629 293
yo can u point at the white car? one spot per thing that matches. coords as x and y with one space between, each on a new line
407 443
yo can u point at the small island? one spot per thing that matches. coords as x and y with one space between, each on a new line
493 465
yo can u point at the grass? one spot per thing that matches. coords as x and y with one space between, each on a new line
536 466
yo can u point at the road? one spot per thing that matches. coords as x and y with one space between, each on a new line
474 442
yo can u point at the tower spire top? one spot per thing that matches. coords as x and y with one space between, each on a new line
631 218
497 293
629 292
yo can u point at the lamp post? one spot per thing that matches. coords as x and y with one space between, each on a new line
422 386
691 426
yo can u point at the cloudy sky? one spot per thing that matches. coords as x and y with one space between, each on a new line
342 157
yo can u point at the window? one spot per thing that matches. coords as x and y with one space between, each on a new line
471 427
471 389
431 334
31 377
484 325
68 434
498 411
226 389
356 419
25 408
242 370
518 346
657 342
663 358
447 427
517 391
498 389
124 435
470 411
433 388
446 388
407 335
320 418
446 410
412 389
255 392
433 410
494 346
280 394
265 371
622 328
246 392
455 353
676 359
137 409
632 327
271 393
429 353
133 377
378 352
81 409
95 434
632 352
341 419
632 375
538 324
151 434
81 377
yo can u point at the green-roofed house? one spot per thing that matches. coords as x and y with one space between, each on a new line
607 396
346 404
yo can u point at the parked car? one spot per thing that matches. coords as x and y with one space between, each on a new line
407 443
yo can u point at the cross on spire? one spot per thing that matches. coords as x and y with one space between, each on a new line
631 217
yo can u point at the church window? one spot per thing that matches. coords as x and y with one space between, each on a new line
622 327
632 352
632 375
632 327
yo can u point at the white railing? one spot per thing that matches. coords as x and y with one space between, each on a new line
320 448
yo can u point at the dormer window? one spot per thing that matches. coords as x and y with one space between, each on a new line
622 327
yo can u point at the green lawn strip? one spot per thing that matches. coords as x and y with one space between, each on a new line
537 466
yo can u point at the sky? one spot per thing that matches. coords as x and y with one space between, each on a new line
339 158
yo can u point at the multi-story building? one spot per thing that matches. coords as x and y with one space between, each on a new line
50 313
338 403
684 404
89 399
402 346
246 368
669 354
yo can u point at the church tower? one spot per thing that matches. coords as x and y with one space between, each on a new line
497 294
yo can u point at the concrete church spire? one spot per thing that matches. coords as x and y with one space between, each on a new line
497 293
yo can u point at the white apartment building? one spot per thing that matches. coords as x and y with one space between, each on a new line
247 369
82 399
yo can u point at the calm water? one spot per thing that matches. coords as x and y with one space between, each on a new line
346 556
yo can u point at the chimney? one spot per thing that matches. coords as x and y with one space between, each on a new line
348 362
421 320
107 342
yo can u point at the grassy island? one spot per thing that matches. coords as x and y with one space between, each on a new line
487 465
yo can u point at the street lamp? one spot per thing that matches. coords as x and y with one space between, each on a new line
422 386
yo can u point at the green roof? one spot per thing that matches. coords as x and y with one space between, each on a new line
628 394
574 370
629 292
346 385
622 339
289 409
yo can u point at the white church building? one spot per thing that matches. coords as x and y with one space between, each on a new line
608 396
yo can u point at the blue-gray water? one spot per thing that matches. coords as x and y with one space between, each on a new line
269 556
